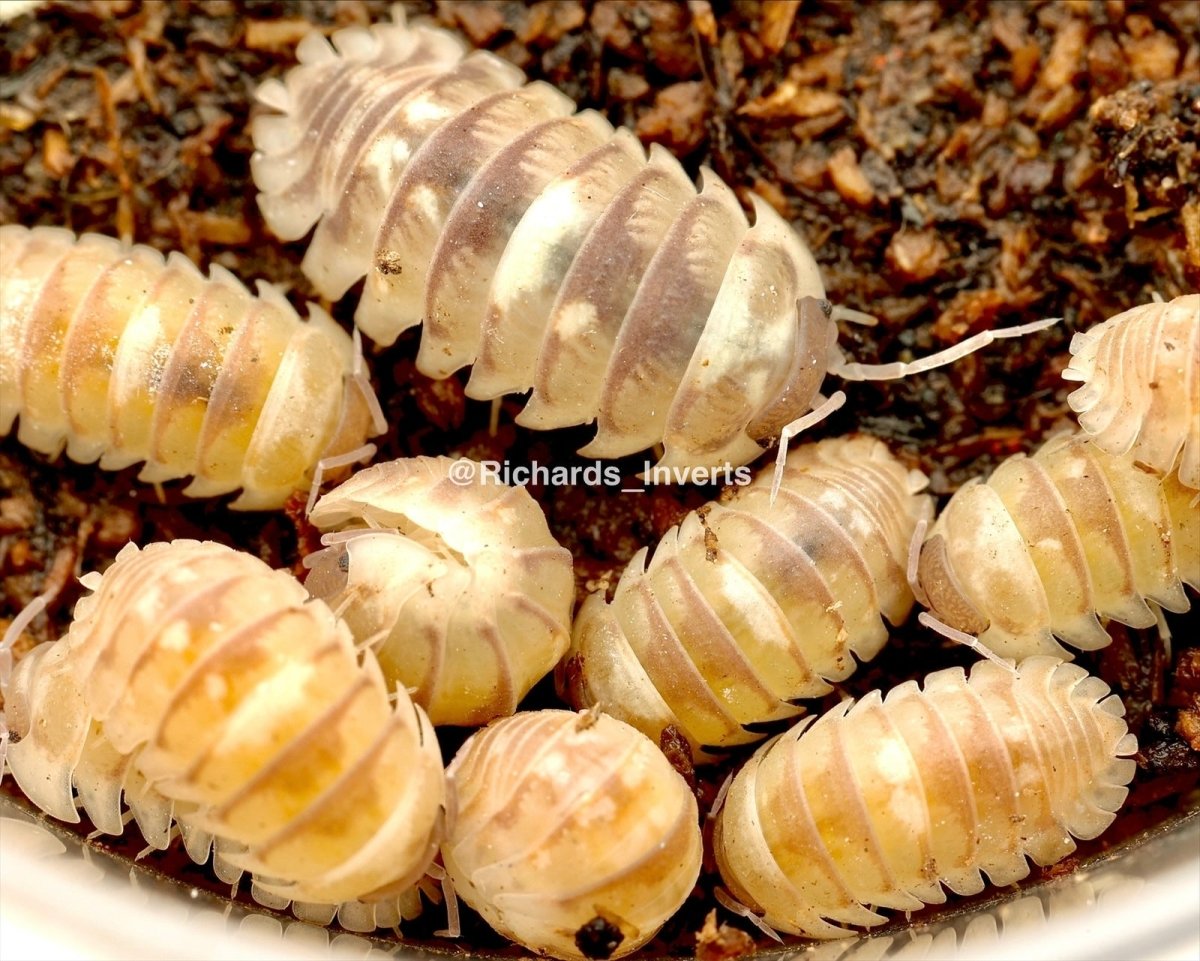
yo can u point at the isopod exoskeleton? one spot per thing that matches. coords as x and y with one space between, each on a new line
880 803
571 834
210 690
119 355
453 579
1052 540
1141 386
748 606
543 248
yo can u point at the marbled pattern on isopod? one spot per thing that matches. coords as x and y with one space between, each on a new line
119 355
453 578
1141 385
748 606
540 246
561 819
210 690
1052 541
881 803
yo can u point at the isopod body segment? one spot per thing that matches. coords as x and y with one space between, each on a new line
119 355
567 823
882 802
209 690
748 606
454 580
540 246
1053 541
1140 390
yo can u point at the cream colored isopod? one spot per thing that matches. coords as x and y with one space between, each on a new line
452 577
749 605
884 802
1140 393
206 689
571 834
1054 541
120 355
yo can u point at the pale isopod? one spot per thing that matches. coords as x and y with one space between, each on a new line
545 249
211 690
118 355
747 606
454 580
880 803
1141 385
572 834
1053 540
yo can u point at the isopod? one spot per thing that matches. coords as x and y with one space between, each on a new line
1141 385
454 580
211 691
748 605
882 802
572 834
1053 540
546 249
119 355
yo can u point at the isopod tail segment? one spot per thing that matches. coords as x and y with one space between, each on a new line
200 689
1053 542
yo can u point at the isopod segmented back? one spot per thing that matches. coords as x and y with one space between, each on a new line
882 802
748 605
540 246
116 354
453 579
1141 386
205 688
1052 541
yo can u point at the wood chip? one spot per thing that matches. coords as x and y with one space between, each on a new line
56 153
848 178
791 101
275 34
776 23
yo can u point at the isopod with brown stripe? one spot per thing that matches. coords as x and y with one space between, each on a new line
119 355
887 801
571 833
453 578
749 605
208 690
1054 541
1140 393
547 250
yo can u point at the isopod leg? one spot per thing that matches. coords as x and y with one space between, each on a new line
795 427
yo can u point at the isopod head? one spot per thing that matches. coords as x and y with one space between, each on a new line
572 834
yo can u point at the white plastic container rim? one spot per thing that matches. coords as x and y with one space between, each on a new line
61 900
